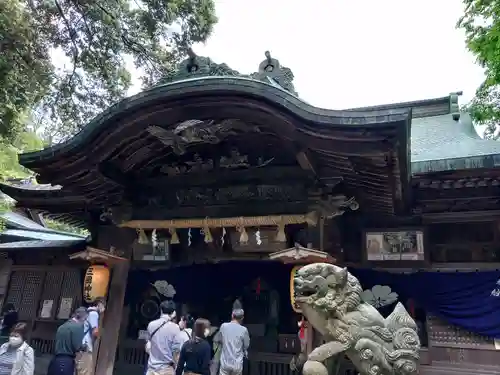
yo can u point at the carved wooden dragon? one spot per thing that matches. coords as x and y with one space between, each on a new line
330 298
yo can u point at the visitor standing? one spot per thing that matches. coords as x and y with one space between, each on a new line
186 324
163 346
69 338
84 358
196 353
16 356
234 340
9 319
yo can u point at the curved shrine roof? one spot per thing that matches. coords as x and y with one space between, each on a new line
208 124
213 116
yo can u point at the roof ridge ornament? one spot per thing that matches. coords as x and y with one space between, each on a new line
270 71
454 107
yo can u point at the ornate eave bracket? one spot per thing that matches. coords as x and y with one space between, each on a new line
334 205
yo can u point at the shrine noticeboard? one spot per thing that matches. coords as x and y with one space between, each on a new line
295 306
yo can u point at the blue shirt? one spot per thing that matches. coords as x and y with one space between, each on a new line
164 343
90 324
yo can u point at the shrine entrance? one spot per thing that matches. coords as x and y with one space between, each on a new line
209 291
204 170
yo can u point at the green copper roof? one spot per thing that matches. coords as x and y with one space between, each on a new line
443 138
441 143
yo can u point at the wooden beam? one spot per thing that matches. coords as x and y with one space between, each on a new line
247 209
112 320
305 162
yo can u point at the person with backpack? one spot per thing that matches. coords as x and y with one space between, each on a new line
84 358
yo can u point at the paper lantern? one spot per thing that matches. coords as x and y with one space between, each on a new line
295 307
95 283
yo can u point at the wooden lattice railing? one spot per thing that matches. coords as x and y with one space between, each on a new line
130 357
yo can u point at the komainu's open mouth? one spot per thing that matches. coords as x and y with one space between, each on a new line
303 289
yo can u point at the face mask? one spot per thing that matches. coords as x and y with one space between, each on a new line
207 332
182 324
15 341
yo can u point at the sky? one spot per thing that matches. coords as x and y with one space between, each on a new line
347 54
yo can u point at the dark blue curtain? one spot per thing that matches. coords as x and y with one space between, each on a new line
470 300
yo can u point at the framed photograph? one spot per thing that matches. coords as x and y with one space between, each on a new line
396 245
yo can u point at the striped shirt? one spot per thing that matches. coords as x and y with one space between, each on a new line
7 360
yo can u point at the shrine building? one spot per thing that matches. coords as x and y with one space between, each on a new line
193 188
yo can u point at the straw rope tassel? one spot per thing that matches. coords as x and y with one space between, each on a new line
142 238
208 235
243 235
174 238
280 235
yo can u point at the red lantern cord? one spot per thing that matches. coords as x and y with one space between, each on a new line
302 329
257 288
411 307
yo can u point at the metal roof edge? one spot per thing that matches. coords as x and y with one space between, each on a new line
443 165
419 106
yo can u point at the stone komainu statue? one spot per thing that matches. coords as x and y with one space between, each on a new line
330 299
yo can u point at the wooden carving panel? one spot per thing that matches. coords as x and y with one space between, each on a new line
228 195
446 335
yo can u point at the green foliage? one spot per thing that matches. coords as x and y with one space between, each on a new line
9 166
481 23
88 42
25 67
63 227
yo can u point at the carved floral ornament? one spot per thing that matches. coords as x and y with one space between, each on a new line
196 131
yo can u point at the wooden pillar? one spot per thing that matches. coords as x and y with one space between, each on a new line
120 241
112 320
